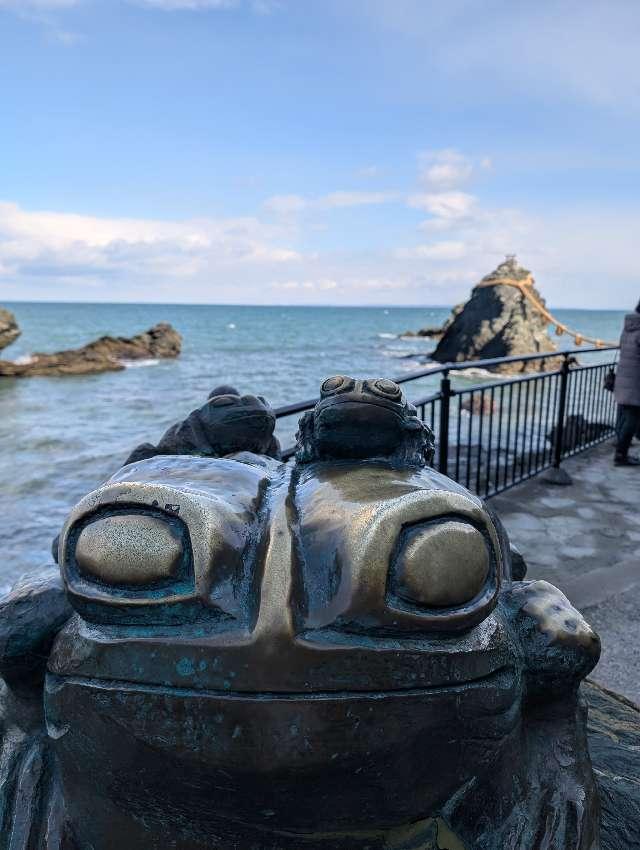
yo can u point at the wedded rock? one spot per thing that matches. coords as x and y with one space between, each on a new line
9 329
107 354
499 321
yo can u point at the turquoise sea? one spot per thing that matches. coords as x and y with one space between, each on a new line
61 437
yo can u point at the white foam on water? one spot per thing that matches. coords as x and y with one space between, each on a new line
139 364
474 372
231 326
388 336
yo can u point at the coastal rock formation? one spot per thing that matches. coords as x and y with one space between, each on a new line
578 432
9 329
499 321
107 354
434 332
614 742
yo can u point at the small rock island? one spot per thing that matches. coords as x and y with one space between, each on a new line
107 354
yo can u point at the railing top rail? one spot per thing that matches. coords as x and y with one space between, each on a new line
445 368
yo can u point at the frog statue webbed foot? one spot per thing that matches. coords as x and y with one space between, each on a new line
331 654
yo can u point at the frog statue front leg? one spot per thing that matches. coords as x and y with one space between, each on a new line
334 654
31 808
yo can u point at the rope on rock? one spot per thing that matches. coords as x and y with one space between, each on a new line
526 287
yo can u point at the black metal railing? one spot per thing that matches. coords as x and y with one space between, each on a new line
503 430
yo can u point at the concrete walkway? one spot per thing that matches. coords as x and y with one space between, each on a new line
585 539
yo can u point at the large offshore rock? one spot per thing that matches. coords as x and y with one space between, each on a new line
9 329
499 321
106 354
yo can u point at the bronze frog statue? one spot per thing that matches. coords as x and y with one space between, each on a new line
265 656
363 419
227 422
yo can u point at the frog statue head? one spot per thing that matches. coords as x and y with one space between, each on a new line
331 653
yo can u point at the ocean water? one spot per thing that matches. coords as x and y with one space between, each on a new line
61 437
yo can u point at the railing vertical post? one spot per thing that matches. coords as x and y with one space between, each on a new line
443 436
557 475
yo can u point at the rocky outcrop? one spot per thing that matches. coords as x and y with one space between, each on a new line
614 743
578 432
107 354
499 321
9 329
434 332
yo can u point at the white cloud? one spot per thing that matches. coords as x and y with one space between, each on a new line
579 256
260 7
448 206
441 170
447 250
37 5
336 200
287 205
444 169
54 246
553 52
266 7
322 285
186 5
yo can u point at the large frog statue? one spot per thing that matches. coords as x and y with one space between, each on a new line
266 656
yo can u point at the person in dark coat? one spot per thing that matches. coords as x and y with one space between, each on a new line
627 390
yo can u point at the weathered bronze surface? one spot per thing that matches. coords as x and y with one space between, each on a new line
268 656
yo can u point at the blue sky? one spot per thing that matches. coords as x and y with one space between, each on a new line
318 151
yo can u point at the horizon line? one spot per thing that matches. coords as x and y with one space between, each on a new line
282 306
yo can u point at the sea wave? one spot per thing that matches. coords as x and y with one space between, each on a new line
139 364
474 372
387 336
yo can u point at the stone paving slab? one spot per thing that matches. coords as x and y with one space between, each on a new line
585 539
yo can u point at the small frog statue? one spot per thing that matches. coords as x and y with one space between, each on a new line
330 654
226 423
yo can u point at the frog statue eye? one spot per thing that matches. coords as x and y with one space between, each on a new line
224 400
338 383
130 554
386 389
443 564
129 550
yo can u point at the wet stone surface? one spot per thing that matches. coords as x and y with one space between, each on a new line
584 539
